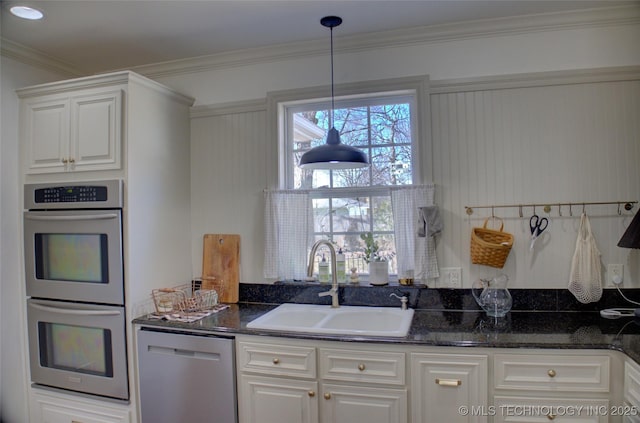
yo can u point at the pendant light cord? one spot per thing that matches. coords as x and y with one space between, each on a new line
332 98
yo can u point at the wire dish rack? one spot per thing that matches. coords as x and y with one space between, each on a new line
184 300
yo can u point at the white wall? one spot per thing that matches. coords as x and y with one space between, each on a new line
234 156
580 48
13 364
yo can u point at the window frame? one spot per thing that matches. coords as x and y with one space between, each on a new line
279 102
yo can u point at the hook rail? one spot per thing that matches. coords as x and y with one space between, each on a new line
628 206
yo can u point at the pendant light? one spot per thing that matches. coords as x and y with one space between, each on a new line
631 237
333 154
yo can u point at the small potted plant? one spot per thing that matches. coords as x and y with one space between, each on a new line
378 266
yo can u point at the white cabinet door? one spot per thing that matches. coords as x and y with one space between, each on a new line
80 132
349 404
45 134
277 400
95 137
58 408
443 383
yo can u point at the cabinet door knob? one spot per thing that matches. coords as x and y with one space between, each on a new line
311 394
448 382
276 361
551 373
64 160
361 367
551 416
72 160
327 395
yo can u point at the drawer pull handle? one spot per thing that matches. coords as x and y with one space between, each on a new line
551 373
551 416
311 394
327 396
448 382
276 361
361 367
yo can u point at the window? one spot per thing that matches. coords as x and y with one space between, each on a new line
350 202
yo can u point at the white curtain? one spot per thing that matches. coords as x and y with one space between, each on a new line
288 234
415 254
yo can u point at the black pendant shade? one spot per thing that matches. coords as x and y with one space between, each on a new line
333 154
631 237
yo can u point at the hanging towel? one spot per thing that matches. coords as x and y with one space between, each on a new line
429 223
585 280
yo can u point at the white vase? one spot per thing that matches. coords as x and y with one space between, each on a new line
378 273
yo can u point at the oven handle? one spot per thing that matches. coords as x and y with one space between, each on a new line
79 217
76 312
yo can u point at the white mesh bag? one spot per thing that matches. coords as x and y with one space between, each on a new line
585 280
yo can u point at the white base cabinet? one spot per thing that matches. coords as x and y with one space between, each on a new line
307 381
54 407
282 380
277 400
443 383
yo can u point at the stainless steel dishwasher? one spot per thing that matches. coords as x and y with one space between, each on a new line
186 377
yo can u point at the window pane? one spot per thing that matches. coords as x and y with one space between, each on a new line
391 165
321 220
382 214
350 214
352 177
391 124
353 125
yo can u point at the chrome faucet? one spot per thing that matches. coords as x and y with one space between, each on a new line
334 274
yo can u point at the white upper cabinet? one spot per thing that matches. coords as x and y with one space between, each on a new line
77 131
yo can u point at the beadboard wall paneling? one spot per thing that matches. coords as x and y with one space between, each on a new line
542 144
231 162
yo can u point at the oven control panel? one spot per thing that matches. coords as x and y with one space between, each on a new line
77 195
74 194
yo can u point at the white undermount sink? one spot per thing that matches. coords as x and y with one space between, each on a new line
344 320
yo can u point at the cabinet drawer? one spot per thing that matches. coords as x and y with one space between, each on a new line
571 373
632 384
273 359
520 409
362 366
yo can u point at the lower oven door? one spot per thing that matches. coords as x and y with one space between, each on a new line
78 347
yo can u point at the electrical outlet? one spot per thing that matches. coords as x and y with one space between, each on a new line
615 272
450 277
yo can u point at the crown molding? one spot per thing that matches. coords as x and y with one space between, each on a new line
536 79
621 15
599 17
29 56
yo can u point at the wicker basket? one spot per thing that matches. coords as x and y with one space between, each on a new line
490 247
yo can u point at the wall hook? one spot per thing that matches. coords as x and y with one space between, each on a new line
520 210
560 210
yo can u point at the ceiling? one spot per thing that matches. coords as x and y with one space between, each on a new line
94 36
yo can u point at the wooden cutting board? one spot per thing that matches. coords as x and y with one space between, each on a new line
221 266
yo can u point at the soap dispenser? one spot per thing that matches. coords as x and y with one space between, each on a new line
323 270
341 270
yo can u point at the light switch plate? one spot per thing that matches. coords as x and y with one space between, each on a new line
450 277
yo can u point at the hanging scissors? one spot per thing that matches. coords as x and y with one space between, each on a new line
537 226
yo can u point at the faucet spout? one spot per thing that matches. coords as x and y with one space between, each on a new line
333 292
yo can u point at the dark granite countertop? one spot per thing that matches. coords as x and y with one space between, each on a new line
518 329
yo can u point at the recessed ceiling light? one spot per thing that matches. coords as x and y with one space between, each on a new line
26 12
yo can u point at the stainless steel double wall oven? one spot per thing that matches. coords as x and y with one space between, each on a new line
74 271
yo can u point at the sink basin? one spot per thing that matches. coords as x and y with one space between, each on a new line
345 320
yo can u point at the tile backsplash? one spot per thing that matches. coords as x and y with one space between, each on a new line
421 297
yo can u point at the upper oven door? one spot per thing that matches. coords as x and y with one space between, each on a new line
74 255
